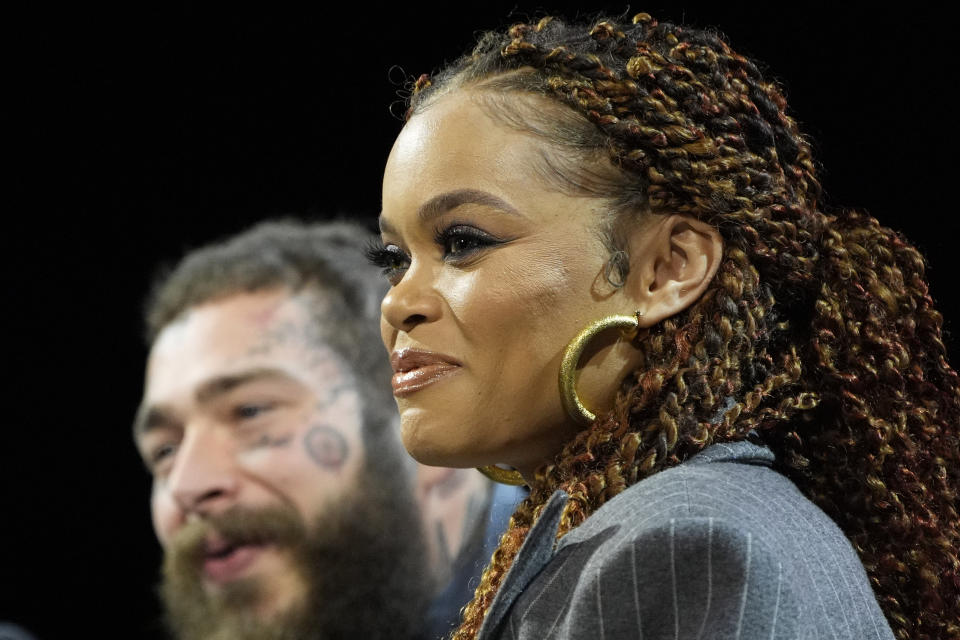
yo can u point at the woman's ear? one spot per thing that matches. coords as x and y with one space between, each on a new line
672 261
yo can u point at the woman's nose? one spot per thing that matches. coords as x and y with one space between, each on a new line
414 300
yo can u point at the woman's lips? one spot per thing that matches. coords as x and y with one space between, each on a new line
415 369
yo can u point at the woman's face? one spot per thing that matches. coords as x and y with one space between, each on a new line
493 272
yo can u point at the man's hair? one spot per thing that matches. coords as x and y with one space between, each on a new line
325 258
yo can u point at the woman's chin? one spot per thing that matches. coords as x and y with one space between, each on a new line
431 444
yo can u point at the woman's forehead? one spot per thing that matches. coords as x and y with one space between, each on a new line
504 138
456 144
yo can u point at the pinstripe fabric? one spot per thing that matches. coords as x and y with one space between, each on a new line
721 547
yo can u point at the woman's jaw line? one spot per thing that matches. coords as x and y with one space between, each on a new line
423 448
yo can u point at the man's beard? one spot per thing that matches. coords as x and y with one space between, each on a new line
362 562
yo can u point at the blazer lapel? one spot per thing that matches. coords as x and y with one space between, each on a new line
534 554
540 546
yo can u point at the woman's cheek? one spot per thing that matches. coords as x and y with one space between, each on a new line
463 290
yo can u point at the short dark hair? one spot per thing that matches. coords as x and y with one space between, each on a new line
327 257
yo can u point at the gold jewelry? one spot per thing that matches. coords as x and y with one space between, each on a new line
503 476
571 357
568 390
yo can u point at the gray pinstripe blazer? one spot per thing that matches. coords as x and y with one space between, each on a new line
720 547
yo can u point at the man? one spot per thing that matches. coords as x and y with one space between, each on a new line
282 498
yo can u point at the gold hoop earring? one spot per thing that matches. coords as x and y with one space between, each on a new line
571 357
503 476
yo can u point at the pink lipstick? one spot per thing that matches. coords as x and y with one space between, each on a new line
415 369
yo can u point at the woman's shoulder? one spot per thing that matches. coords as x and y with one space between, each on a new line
727 539
730 485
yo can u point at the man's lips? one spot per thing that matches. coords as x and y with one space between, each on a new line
415 369
224 561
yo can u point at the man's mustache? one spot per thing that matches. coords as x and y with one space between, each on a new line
278 525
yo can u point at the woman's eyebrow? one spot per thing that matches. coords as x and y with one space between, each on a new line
444 202
440 204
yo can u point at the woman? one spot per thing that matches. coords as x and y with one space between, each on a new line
628 208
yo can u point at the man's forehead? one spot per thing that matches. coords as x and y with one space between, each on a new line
242 331
236 320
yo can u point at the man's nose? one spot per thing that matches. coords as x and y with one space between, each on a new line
204 478
412 301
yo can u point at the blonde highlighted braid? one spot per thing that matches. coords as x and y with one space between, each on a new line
817 336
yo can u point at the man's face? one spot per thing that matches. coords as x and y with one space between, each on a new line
251 427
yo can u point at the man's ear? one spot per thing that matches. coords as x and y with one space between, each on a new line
672 261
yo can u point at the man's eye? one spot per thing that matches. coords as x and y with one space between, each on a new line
160 455
251 411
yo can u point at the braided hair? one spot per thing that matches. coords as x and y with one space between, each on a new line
817 337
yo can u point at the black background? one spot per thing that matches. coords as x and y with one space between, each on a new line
135 133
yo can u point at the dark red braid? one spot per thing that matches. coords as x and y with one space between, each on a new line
817 335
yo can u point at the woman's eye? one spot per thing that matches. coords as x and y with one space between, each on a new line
390 258
461 242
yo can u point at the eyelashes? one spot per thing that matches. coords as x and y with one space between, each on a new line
461 241
459 245
391 259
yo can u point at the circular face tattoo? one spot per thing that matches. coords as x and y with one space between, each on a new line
326 446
